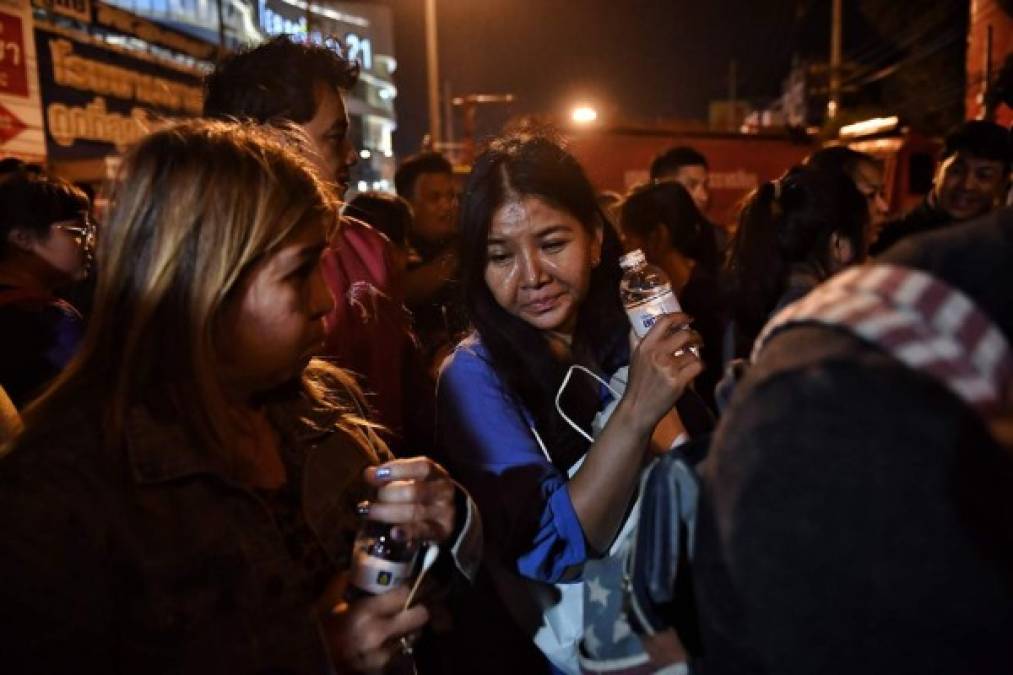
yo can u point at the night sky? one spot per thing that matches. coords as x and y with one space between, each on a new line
636 59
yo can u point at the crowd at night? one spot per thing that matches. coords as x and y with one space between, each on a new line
580 396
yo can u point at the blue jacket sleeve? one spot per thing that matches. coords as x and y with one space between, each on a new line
486 439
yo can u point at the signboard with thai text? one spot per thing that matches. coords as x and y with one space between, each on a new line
97 100
122 21
21 133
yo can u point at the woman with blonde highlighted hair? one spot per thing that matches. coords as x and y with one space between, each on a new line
185 496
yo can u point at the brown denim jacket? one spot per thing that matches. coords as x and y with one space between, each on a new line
150 558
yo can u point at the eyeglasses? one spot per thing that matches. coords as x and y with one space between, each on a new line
85 231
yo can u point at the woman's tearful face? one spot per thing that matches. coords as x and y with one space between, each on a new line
539 261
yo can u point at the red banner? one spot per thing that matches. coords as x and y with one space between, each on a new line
13 69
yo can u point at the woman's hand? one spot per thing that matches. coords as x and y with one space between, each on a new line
660 369
366 634
415 494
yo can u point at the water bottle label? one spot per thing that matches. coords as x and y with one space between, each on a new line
376 575
645 314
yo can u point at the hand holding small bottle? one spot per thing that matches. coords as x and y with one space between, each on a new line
414 503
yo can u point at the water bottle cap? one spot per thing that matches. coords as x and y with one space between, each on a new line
632 259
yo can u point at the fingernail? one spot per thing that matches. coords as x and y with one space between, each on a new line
383 473
397 534
362 509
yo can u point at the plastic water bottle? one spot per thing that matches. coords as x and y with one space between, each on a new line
646 292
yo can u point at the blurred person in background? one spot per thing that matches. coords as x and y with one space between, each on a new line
609 202
689 168
859 489
185 497
390 215
971 179
867 173
793 233
426 181
662 220
46 245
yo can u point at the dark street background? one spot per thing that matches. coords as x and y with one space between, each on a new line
644 60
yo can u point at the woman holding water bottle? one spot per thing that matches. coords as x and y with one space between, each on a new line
517 399
185 497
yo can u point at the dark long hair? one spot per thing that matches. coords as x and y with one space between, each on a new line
784 223
668 204
527 165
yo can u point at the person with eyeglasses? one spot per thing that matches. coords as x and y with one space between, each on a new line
46 243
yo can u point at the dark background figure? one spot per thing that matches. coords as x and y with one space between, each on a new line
867 173
609 202
46 244
858 510
663 221
281 80
389 215
685 165
426 181
971 180
689 168
793 233
392 216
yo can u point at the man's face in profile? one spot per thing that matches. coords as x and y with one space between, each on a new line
328 130
696 179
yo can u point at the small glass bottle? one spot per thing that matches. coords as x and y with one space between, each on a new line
380 563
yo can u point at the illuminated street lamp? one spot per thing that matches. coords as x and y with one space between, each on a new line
583 114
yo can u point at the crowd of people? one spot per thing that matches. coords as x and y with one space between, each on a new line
204 399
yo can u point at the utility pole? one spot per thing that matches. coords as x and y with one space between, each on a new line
433 74
834 104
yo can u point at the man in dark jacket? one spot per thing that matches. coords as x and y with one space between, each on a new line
970 181
857 510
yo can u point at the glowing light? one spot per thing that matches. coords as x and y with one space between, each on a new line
365 154
363 186
584 114
868 127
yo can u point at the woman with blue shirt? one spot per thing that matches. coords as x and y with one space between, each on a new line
540 272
